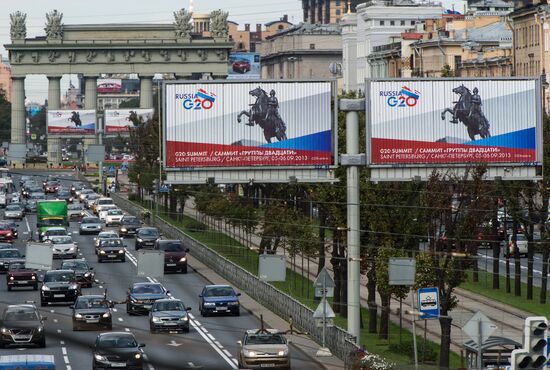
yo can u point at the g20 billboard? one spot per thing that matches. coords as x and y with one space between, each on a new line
245 124
120 120
75 122
453 121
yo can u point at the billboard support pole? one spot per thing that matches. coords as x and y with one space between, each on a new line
100 142
352 107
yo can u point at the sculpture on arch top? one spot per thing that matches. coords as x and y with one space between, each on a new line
18 26
54 25
182 23
218 24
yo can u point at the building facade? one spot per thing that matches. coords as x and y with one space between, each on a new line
248 39
5 78
304 51
327 11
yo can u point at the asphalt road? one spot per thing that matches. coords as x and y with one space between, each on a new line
211 343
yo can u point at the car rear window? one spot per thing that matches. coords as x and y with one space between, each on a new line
171 247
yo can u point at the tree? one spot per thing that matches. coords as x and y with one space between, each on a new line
5 117
446 71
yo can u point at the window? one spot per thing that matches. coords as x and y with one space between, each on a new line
337 2
382 23
392 23
402 23
280 27
312 46
337 11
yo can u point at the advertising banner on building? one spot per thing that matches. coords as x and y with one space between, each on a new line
453 121
81 122
109 85
120 120
248 124
244 66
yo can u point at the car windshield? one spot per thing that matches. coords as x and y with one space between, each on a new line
5 227
117 341
115 212
223 291
75 206
16 266
102 202
13 207
91 220
171 247
20 314
38 196
59 232
148 232
146 289
59 277
107 236
9 253
93 302
111 243
168 306
264 338
86 191
130 221
74 265
93 197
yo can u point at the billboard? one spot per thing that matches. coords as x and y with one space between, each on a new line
248 124
120 120
80 122
438 122
109 85
244 66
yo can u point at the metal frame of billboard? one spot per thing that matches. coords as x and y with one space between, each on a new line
259 174
419 171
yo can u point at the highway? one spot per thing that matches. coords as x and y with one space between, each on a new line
211 343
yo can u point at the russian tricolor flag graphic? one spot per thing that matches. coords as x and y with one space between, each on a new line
208 96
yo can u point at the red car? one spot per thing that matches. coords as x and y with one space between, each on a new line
20 276
241 66
51 187
6 234
175 255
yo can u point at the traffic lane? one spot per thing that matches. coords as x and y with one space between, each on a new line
486 263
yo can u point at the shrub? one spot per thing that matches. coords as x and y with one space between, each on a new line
133 197
195 225
427 354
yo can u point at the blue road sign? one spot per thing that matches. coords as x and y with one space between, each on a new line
112 169
428 303
164 189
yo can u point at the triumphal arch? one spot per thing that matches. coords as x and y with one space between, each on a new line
177 49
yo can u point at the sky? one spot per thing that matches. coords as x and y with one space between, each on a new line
127 11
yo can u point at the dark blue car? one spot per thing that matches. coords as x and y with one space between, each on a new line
215 299
141 297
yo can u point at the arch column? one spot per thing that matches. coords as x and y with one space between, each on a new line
18 110
146 91
90 102
54 103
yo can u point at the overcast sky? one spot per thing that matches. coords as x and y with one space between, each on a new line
130 11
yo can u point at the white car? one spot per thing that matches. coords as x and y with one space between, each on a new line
521 243
53 231
90 200
102 213
63 247
84 193
100 203
113 217
105 235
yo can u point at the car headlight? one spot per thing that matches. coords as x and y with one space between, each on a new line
12 278
209 304
156 319
42 233
8 234
73 287
45 288
40 328
123 229
33 277
121 251
106 314
248 353
100 358
102 252
3 330
183 259
236 303
184 318
283 352
137 356
139 240
71 248
78 316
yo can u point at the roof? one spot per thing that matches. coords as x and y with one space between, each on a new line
309 29
492 32
277 21
490 3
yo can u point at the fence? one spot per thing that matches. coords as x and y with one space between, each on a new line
337 340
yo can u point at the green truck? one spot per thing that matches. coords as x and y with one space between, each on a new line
51 213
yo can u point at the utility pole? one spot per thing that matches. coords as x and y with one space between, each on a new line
100 142
353 159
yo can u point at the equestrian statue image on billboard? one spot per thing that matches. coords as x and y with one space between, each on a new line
265 113
468 111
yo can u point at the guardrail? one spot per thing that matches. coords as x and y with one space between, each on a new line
337 339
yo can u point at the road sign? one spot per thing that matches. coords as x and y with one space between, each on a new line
324 283
473 327
112 169
164 189
150 263
428 303
323 310
402 271
39 256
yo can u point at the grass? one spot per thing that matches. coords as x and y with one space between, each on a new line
484 287
301 288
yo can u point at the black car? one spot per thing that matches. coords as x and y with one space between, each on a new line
64 194
28 190
84 273
141 297
117 350
129 226
219 299
59 286
111 250
22 325
175 255
13 225
92 312
8 256
146 237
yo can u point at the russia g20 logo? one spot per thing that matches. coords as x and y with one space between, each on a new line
401 99
202 100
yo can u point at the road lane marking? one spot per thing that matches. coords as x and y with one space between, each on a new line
64 351
28 226
59 331
227 353
126 329
120 319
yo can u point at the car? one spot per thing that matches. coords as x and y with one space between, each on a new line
90 225
76 186
13 226
241 66
49 179
24 179
216 299
92 312
15 198
59 286
84 193
22 324
64 194
6 246
175 255
85 274
63 246
90 200
146 237
100 203
113 217
129 225
117 350
8 256
169 315
53 231
521 243
14 211
102 214
141 296
261 348
109 234
20 276
30 189
75 210
51 187
32 201
6 233
111 250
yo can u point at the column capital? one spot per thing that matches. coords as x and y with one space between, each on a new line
18 77
52 77
86 76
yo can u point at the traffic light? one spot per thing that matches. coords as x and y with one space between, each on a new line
155 186
533 354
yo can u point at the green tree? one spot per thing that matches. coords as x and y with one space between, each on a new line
446 71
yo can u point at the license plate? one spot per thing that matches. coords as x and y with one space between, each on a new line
221 308
267 365
59 295
170 323
92 321
118 364
171 264
21 337
112 256
147 306
20 282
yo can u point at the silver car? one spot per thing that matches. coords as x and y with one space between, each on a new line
169 315
63 247
262 348
75 210
14 211
90 225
